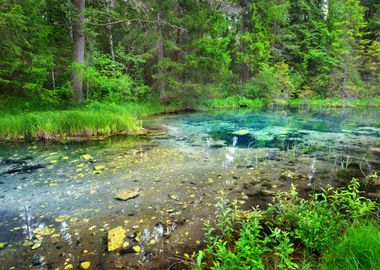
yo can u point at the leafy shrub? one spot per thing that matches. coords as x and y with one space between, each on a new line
106 80
276 82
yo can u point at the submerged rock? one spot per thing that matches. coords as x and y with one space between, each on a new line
43 231
292 176
68 266
126 194
116 238
241 132
100 167
36 246
22 169
156 132
62 218
268 192
87 157
127 250
85 265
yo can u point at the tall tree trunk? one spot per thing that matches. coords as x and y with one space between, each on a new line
246 23
111 7
70 22
53 77
160 56
325 9
78 51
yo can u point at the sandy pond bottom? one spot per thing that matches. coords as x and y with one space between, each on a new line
57 203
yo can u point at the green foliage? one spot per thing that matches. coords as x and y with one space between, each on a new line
238 239
25 56
273 83
359 249
266 49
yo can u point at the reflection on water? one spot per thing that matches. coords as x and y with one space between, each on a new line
57 205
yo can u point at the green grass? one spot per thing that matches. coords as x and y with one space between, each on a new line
59 125
234 102
359 249
94 119
242 102
334 102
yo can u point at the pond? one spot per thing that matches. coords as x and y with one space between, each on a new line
57 201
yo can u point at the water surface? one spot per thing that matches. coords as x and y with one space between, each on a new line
248 154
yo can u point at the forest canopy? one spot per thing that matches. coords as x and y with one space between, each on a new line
188 51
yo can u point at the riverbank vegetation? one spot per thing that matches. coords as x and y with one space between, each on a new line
64 55
77 122
25 121
242 102
74 69
335 229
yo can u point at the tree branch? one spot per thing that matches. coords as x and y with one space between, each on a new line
128 21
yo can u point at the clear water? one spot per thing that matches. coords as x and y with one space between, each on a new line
198 156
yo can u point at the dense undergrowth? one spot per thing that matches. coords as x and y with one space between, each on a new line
334 229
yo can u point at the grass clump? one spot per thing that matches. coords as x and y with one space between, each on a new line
93 119
359 249
290 230
55 125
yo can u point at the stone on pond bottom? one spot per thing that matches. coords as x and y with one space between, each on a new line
116 238
85 265
126 194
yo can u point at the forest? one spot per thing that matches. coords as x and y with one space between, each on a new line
190 134
57 52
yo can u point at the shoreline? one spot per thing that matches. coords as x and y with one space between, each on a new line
101 120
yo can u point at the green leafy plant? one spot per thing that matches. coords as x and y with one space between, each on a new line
291 225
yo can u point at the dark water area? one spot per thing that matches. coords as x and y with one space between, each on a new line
57 200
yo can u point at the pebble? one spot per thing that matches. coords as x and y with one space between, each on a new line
85 265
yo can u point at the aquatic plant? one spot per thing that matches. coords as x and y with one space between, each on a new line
343 161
